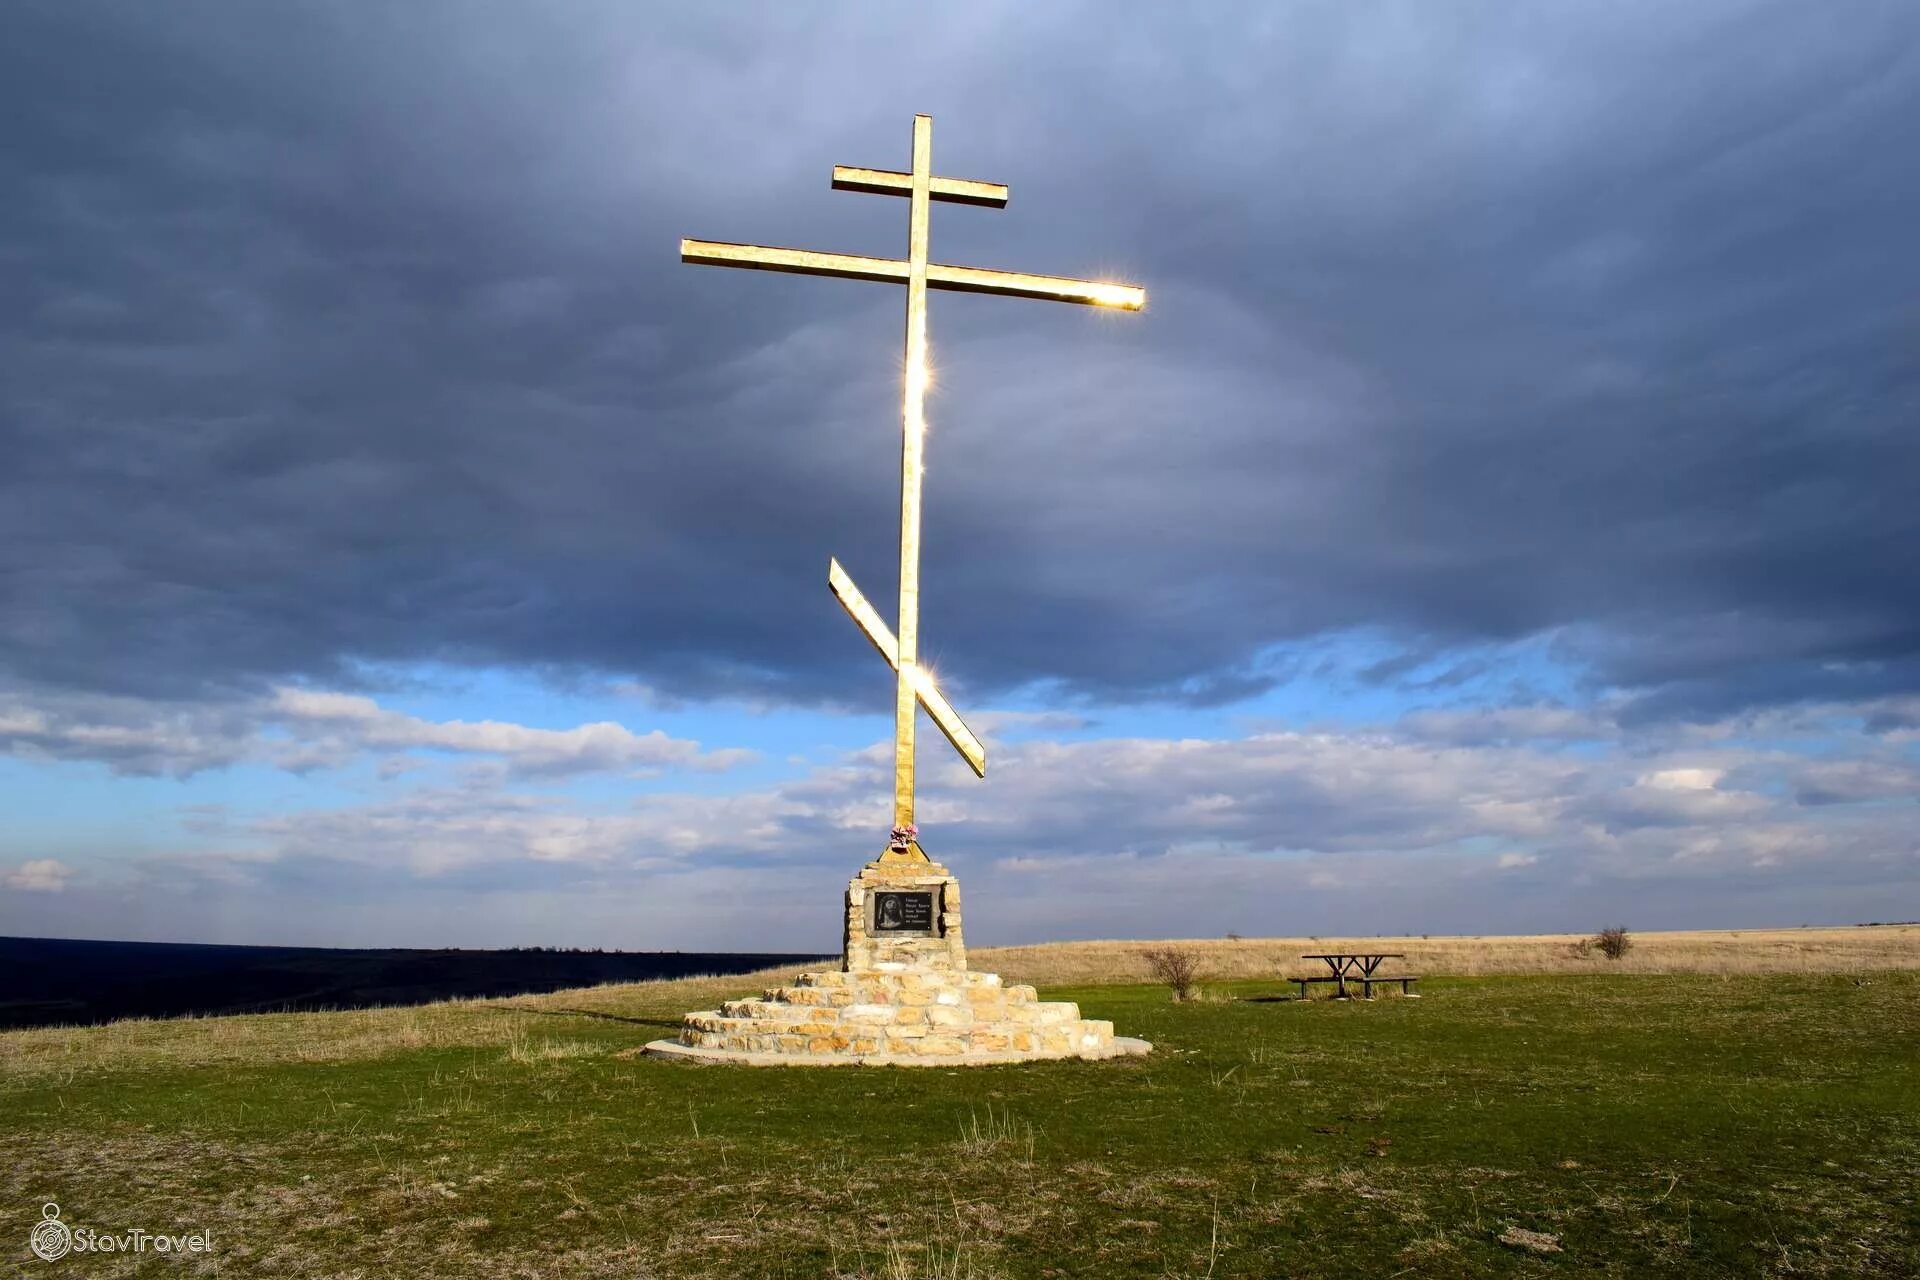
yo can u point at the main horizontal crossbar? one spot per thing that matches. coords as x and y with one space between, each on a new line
1016 284
891 182
924 688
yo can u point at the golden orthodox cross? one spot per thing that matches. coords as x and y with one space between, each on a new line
912 683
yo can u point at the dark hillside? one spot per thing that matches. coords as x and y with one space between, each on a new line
46 981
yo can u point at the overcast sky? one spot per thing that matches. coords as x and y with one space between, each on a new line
1505 517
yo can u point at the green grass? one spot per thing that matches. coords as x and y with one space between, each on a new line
1737 1126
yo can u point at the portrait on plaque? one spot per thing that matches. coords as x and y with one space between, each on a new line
895 911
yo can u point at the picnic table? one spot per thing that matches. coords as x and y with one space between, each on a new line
1360 967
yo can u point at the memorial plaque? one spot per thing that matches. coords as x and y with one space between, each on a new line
897 912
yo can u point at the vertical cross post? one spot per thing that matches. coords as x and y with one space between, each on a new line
913 427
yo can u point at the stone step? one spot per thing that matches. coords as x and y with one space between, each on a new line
749 1035
824 978
792 1042
1023 1012
778 1011
819 997
800 1021
913 995
904 977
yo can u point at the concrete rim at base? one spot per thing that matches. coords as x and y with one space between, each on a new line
1122 1047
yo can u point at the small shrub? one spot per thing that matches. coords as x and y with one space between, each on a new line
1613 942
1175 966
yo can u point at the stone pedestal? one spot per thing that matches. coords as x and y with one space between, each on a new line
885 929
903 995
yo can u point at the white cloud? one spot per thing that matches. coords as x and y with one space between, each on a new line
1305 832
306 729
1683 779
1334 802
38 875
357 723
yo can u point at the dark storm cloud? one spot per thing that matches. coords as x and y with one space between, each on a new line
338 335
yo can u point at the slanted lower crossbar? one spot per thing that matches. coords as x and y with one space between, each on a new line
930 697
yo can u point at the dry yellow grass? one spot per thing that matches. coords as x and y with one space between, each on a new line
344 1035
1841 950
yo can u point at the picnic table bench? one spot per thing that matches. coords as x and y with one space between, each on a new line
1361 968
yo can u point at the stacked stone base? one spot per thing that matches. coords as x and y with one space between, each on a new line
895 1016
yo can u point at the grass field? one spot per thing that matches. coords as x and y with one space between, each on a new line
1611 1123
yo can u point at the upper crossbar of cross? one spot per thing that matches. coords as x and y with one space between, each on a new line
914 686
